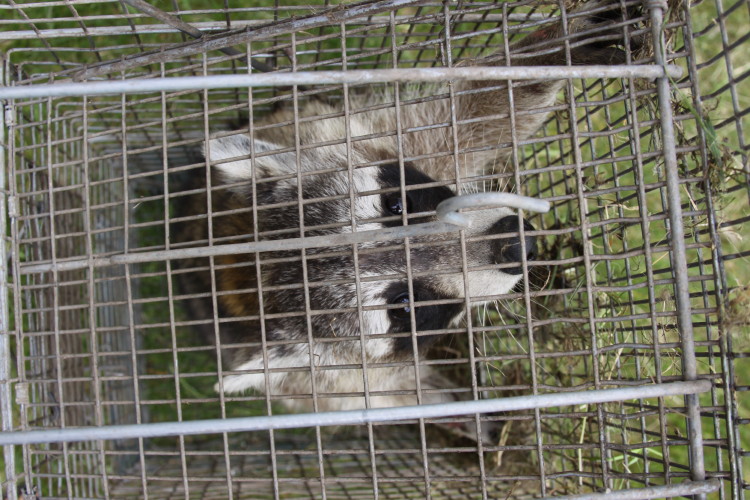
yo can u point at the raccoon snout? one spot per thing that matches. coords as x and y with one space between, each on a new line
507 250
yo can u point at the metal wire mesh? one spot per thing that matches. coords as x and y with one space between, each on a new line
90 340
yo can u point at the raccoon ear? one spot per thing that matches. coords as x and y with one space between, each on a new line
240 146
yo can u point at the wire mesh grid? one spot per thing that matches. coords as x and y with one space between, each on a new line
97 324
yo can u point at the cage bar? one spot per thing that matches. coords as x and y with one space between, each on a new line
616 366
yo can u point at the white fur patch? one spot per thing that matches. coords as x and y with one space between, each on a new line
296 358
487 283
378 348
375 322
240 146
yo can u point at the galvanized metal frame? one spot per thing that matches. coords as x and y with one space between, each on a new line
678 256
369 415
728 355
677 247
6 394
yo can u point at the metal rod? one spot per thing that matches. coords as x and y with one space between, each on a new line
717 261
387 233
6 392
252 247
352 417
208 26
404 75
328 17
649 492
447 210
189 29
678 253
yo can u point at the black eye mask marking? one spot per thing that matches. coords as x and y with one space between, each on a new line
417 200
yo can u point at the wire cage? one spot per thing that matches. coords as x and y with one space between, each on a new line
616 366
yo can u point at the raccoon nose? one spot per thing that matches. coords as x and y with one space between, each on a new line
507 250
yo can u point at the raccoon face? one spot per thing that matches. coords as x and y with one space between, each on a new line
348 298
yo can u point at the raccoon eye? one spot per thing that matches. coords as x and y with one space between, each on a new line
395 204
401 313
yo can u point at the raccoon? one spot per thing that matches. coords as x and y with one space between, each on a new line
300 325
